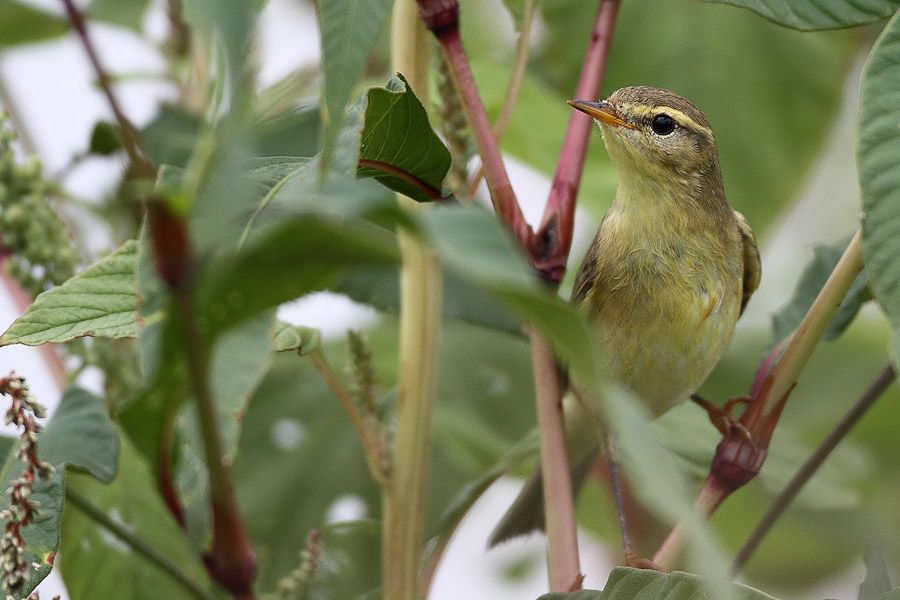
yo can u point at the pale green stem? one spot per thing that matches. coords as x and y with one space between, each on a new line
809 333
420 321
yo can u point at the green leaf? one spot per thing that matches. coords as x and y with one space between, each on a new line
892 595
105 139
100 565
171 135
475 247
877 581
126 13
239 361
811 281
79 435
99 301
304 255
878 156
296 338
349 29
642 584
462 300
22 24
811 15
232 24
399 148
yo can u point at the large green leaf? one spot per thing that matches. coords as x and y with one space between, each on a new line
98 564
20 23
878 156
809 15
239 361
349 29
399 148
642 584
80 436
475 247
304 255
98 302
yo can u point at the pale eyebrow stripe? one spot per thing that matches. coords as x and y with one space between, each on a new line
681 117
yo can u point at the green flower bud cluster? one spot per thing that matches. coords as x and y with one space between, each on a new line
33 240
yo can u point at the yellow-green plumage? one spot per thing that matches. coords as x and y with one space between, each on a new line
669 271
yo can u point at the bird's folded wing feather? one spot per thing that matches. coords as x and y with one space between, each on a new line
752 266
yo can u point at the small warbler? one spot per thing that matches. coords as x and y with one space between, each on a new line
668 274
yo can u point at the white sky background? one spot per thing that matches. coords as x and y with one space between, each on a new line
52 85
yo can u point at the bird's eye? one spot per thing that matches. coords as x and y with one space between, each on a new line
663 124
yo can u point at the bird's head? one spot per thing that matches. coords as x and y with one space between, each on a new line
655 133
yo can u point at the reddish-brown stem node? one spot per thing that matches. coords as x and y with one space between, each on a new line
231 560
439 16
171 244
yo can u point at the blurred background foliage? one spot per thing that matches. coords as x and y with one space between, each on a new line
773 96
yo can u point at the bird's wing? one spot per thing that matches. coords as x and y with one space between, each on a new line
587 274
752 266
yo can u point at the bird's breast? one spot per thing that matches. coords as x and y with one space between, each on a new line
665 307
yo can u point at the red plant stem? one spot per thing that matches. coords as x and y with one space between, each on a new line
554 237
549 252
559 506
502 195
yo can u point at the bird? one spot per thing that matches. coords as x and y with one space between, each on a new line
669 272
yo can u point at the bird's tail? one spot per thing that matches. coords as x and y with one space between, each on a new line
526 514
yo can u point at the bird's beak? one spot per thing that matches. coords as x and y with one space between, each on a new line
602 111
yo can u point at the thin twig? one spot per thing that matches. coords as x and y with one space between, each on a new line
373 445
130 138
812 464
515 84
137 544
